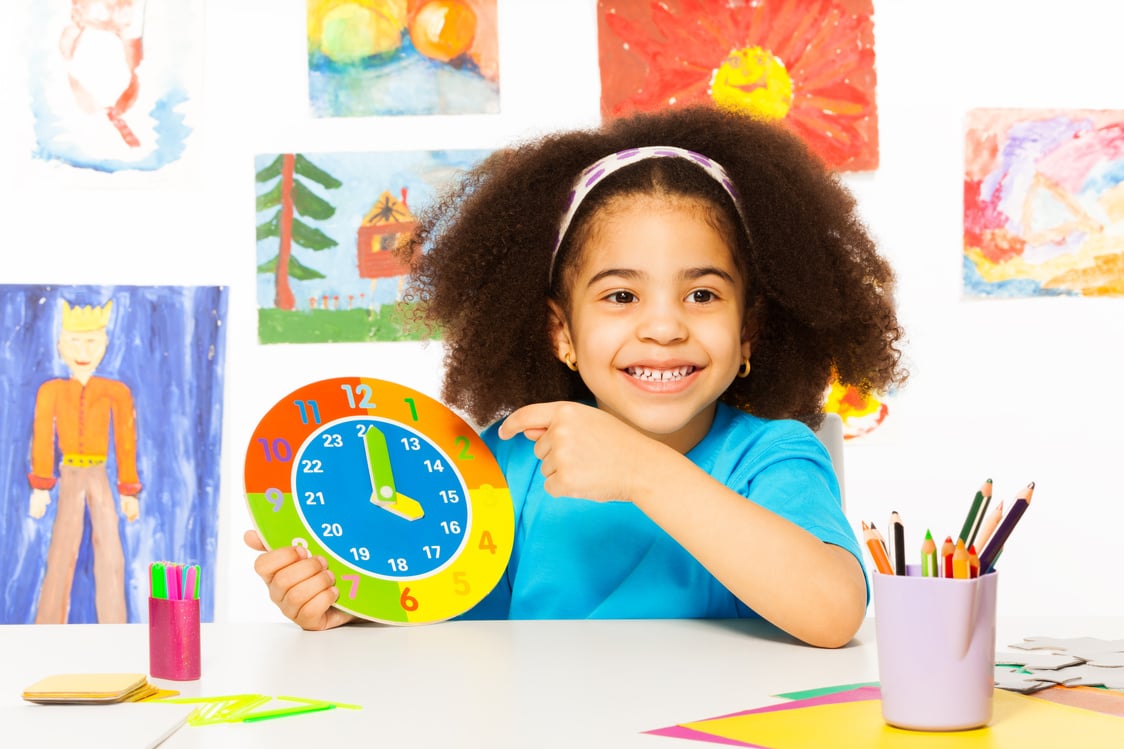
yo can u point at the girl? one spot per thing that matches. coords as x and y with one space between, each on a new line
647 312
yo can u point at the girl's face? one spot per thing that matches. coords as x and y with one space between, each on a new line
656 318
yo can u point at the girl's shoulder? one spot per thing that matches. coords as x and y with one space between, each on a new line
510 454
732 424
491 437
738 440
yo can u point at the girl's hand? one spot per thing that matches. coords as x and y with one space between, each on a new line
301 585
585 452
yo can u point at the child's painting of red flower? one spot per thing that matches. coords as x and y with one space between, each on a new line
806 63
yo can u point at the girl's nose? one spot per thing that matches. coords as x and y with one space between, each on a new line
662 323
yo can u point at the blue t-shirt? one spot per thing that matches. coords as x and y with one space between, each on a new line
578 559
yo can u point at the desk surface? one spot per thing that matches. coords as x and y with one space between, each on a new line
487 684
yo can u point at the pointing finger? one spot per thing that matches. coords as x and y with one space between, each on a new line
531 421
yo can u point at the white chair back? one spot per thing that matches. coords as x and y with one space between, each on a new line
831 434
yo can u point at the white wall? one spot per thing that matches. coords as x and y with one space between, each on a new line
1015 390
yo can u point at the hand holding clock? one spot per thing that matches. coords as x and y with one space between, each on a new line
301 586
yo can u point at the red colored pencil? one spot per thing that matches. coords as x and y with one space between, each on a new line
973 562
946 556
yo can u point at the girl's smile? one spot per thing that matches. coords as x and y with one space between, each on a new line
657 374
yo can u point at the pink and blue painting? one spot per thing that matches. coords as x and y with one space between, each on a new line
112 81
1044 203
402 57
328 224
111 399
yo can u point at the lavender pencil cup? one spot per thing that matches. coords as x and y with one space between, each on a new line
936 650
173 638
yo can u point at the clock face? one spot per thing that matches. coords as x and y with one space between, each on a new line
396 491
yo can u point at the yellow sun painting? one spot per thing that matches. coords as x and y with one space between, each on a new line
806 63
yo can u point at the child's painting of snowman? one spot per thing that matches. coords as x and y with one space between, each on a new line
112 82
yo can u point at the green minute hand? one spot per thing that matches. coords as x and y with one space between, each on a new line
383 493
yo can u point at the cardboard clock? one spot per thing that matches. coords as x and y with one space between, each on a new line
393 488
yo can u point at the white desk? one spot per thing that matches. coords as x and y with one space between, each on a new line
487 684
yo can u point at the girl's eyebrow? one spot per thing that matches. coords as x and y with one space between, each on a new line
628 274
690 274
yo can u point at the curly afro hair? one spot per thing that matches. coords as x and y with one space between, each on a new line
819 296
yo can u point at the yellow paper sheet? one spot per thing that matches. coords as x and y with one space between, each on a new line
1019 723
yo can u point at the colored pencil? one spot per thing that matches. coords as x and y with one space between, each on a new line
960 560
878 534
1003 532
897 530
877 550
946 556
972 521
980 515
988 526
929 566
973 562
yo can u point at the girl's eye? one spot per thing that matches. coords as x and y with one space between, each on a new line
622 297
702 296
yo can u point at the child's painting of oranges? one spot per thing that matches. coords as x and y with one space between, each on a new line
402 57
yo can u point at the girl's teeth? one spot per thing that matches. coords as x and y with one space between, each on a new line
645 373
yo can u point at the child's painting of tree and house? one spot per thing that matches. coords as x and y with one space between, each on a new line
327 227
402 57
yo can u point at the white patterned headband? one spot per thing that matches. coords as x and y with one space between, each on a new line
594 174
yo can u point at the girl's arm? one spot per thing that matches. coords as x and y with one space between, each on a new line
813 590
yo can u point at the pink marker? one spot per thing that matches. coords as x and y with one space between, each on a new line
173 577
191 575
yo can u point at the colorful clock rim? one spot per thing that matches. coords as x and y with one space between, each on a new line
447 593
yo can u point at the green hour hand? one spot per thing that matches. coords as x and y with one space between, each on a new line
383 493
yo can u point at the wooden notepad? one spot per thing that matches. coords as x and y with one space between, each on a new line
90 689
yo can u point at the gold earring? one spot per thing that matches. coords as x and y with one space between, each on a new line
570 361
743 371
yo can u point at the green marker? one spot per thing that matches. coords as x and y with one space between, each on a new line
286 711
159 585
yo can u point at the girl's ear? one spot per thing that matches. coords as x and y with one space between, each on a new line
560 332
751 327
